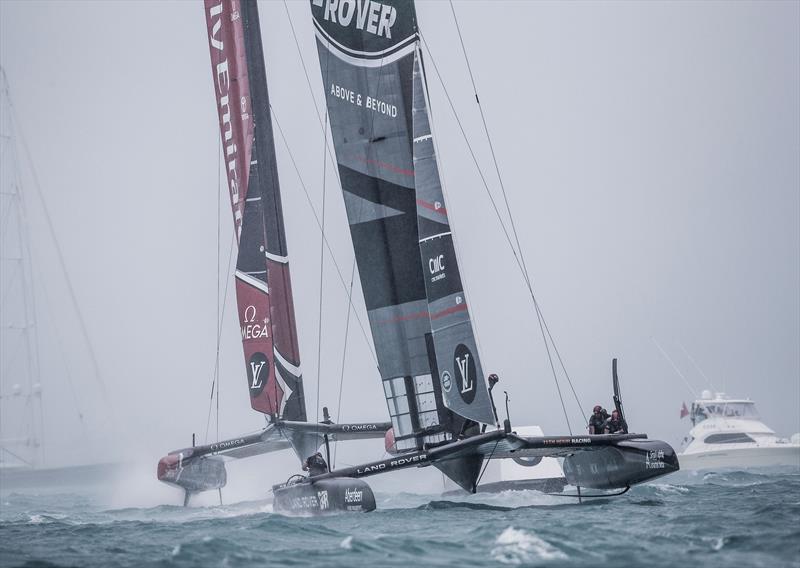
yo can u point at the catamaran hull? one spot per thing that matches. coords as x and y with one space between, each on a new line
193 474
325 496
743 458
622 465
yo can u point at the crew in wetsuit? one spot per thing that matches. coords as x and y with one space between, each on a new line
315 465
597 423
616 424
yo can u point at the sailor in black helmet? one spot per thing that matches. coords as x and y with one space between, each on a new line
315 465
597 423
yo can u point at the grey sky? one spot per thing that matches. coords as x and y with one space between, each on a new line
650 153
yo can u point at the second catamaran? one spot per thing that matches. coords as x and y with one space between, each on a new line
263 285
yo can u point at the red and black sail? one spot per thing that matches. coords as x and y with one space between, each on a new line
263 286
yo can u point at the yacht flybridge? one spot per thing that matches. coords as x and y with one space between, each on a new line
728 433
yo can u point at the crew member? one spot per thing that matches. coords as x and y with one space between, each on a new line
597 422
315 465
616 424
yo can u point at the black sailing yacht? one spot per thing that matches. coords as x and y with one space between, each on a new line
438 401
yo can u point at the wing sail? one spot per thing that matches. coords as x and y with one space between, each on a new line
463 385
367 53
263 287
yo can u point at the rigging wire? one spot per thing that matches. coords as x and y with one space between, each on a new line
321 266
57 247
30 329
219 331
696 366
450 219
344 358
516 251
215 375
540 315
218 322
323 126
67 373
321 246
674 366
319 226
526 274
486 464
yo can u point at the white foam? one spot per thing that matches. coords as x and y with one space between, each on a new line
347 543
515 546
669 488
39 519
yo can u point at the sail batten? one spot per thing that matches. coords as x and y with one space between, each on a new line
262 280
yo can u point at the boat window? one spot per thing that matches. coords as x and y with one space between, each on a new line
729 438
397 400
423 383
426 402
429 419
395 387
725 410
404 423
398 405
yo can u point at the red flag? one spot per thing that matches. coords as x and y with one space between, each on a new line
684 411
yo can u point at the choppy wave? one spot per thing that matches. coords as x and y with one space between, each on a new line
516 546
714 519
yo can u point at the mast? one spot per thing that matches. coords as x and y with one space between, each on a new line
427 356
21 413
263 284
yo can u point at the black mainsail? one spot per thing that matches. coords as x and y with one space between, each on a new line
417 309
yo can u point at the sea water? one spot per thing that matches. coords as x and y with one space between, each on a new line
713 519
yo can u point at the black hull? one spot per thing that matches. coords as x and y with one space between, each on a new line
325 496
620 466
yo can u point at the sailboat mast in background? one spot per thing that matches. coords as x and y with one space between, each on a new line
21 417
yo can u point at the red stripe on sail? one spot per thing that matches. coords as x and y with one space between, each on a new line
451 310
432 206
425 313
385 166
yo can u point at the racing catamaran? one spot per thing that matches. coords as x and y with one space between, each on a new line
441 410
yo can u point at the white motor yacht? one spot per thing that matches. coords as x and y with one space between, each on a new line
728 433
